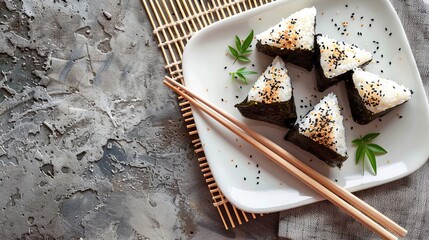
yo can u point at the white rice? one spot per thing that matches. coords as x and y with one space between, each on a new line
337 57
379 94
294 32
273 85
324 125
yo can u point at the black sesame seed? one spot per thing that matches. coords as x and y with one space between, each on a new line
380 120
372 19
370 25
236 96
250 156
351 128
259 171
244 178
400 116
390 34
236 166
390 63
385 29
399 49
347 5
225 67
257 183
257 165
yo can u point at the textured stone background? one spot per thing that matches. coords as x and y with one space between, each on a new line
92 144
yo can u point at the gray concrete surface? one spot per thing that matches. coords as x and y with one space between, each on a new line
92 144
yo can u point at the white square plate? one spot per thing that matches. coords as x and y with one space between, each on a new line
248 179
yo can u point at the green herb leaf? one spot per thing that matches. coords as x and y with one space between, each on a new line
248 41
243 59
360 153
233 51
376 148
370 136
248 72
368 149
357 141
371 158
232 75
241 74
242 77
238 43
247 51
241 48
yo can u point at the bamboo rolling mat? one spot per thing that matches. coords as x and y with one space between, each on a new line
174 22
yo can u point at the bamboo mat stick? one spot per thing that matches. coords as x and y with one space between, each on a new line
276 155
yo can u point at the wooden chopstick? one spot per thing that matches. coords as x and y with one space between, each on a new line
328 183
279 156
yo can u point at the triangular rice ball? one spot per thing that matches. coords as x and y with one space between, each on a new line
371 96
321 132
271 98
335 60
292 38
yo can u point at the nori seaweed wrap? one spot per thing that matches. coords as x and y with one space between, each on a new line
335 61
292 38
271 98
321 132
371 96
